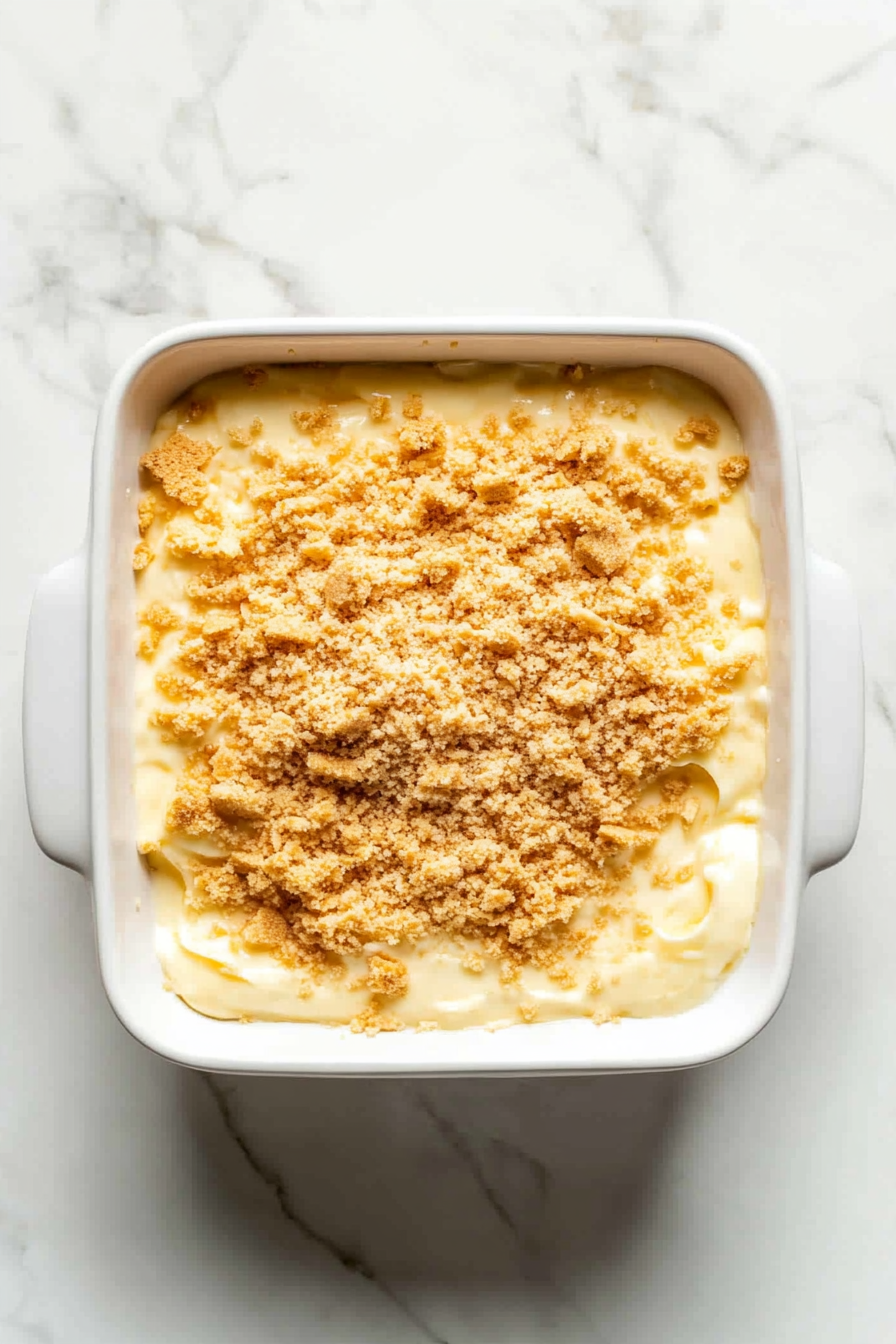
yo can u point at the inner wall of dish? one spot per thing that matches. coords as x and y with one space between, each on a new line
135 972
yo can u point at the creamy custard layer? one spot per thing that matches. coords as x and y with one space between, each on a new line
626 490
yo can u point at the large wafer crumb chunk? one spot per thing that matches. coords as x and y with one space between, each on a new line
177 466
143 555
387 976
146 511
236 800
733 469
605 548
420 436
266 928
291 630
702 428
313 422
380 407
494 489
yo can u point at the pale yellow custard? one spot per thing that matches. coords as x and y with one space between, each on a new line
450 694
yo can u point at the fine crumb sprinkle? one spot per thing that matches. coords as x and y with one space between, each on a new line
254 375
563 975
177 465
702 428
412 714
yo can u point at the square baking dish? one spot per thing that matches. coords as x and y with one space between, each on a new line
78 707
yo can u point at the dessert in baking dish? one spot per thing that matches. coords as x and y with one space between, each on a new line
451 693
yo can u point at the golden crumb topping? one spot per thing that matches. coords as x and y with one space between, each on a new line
177 465
700 428
380 407
387 976
371 1022
313 422
143 555
146 511
732 470
266 928
429 678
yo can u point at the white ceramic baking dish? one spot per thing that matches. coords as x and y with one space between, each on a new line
78 707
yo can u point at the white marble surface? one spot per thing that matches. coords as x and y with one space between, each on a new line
716 159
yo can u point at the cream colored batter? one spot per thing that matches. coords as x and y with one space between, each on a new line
693 930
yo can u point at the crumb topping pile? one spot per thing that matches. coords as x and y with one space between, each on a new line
428 677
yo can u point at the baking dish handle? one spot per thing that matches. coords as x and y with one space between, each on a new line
54 715
836 715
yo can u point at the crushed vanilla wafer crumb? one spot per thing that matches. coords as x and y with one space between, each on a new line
146 511
387 976
177 465
702 428
143 555
313 422
733 469
380 407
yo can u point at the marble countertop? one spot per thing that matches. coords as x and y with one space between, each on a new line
185 158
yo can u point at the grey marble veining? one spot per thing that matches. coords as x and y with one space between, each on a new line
734 162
